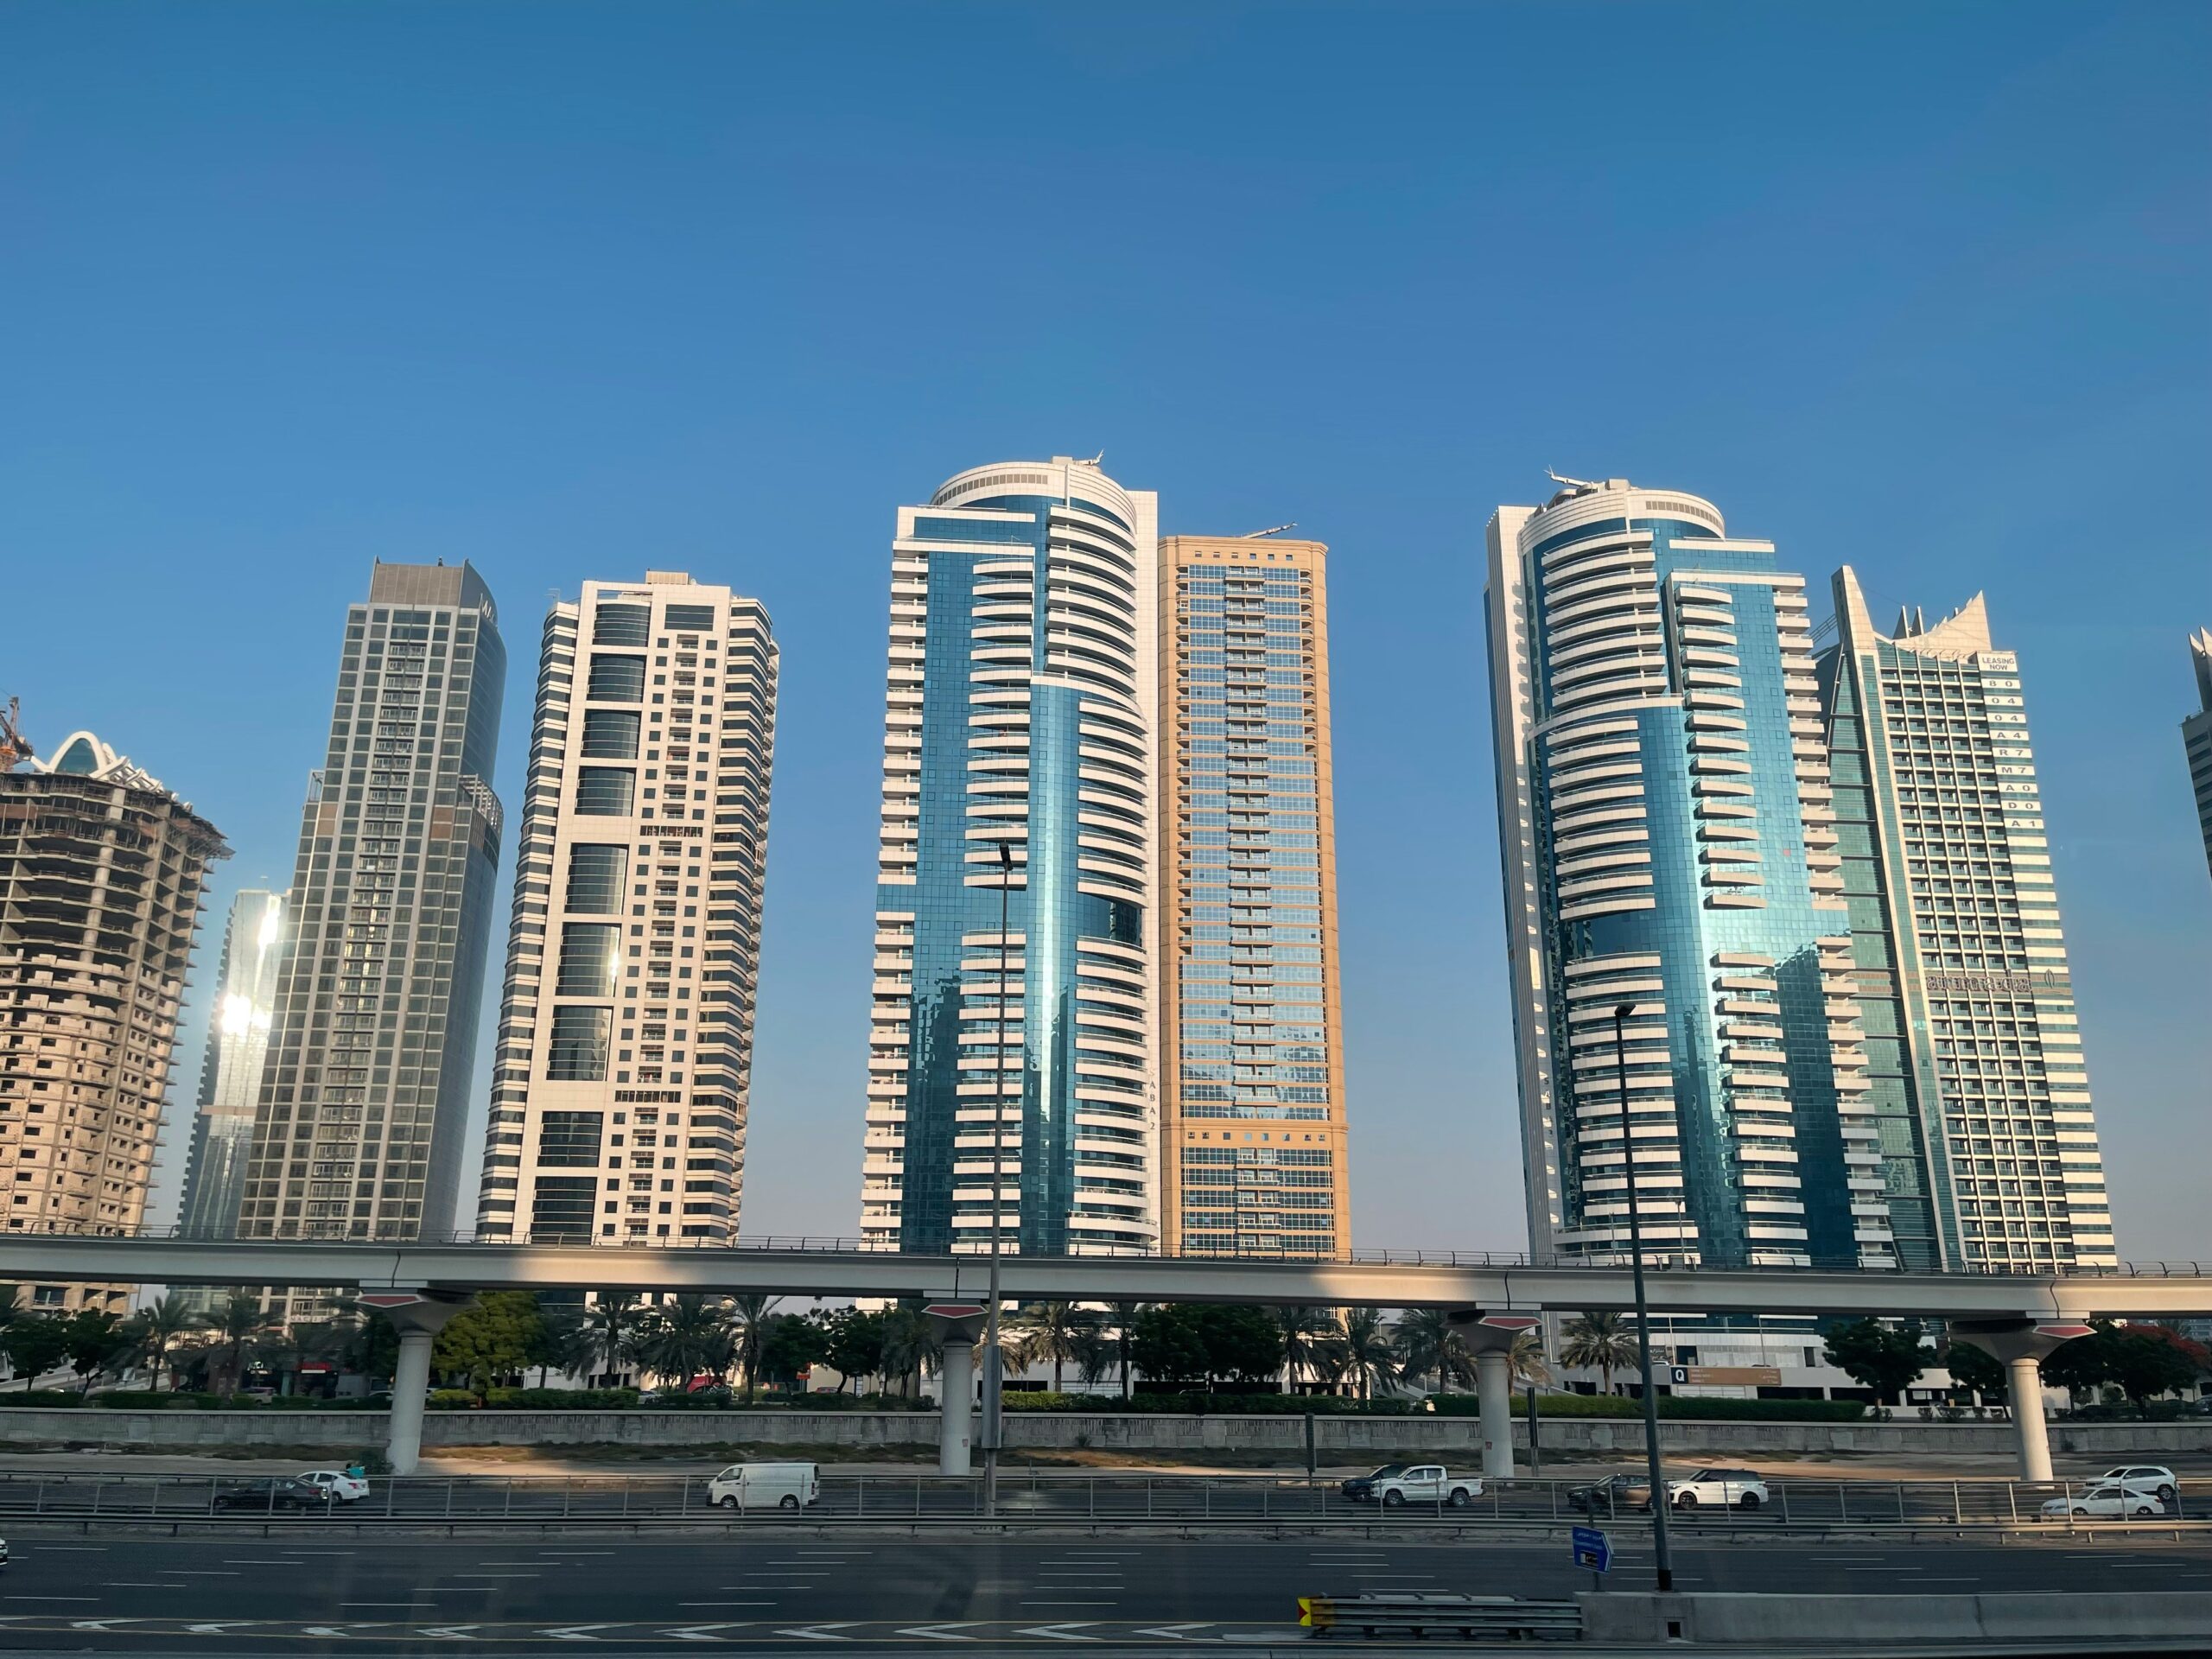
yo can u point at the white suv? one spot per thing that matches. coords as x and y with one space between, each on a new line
2157 1476
1727 1489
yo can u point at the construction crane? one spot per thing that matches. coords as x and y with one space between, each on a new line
13 746
1272 529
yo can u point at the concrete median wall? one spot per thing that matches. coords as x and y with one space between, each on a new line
1340 1438
1781 1622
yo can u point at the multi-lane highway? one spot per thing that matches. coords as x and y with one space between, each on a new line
220 1596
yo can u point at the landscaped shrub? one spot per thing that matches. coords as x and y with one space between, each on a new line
451 1399
1677 1406
560 1399
39 1397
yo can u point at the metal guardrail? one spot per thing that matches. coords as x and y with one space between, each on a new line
824 1243
1042 1498
1421 1611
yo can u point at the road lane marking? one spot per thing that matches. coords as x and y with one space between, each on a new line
198 1572
725 1604
71 1549
49 1598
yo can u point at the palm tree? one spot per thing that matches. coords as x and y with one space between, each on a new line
1304 1329
1428 1345
1051 1330
1604 1340
570 1344
910 1347
1365 1347
750 1314
1530 1369
689 1336
1125 1318
608 1339
158 1328
238 1319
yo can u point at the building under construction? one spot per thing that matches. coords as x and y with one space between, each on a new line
102 871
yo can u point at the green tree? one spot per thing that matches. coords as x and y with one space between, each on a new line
1427 1344
1304 1329
238 1319
89 1342
492 1339
1051 1330
1242 1344
1878 1357
1530 1369
158 1326
910 1346
790 1347
558 1344
1976 1369
1125 1316
609 1333
750 1314
855 1343
1605 1343
1368 1359
2147 1361
35 1344
689 1336
1168 1345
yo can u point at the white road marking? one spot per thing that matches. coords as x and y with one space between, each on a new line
940 1632
198 1572
50 1597
71 1549
821 1632
725 1604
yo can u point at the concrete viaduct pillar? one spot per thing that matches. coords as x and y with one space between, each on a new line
418 1316
1490 1337
2020 1346
957 1325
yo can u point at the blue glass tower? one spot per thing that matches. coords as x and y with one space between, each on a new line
1021 697
1668 845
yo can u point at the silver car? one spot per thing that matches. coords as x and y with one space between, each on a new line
2109 1497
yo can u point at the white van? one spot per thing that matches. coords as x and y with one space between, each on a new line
764 1486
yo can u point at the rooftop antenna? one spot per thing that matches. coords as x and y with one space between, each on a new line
1576 483
1272 529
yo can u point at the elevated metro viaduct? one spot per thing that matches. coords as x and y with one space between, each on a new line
2018 1318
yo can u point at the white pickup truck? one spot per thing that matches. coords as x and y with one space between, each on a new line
1427 1483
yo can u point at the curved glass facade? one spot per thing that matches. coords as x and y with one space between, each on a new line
1020 716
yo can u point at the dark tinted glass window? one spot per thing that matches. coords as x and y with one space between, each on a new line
688 619
595 876
589 953
610 734
605 791
578 1048
621 625
561 1208
616 679
568 1141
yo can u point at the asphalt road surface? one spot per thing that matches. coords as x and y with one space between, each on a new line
218 1597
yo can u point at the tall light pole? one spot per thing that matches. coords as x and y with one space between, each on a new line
1663 1555
993 1362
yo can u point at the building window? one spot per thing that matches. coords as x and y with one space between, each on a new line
605 791
578 1048
688 619
610 734
569 1141
560 1209
596 873
621 625
589 955
616 679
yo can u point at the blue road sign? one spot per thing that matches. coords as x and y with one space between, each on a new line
1592 1549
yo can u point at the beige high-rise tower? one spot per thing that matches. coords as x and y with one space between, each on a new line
1252 1106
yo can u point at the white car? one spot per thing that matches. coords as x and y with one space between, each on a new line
1427 1483
766 1486
2109 1497
337 1484
2156 1476
1726 1489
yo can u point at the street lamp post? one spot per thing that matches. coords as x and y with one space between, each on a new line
993 1362
1661 1554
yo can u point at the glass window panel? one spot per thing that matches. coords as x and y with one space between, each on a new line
611 733
579 1046
596 873
560 1209
621 625
568 1141
616 679
605 791
589 953
689 619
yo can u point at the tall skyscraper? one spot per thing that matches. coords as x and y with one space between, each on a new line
102 871
364 1093
1021 703
1252 1073
619 1103
1973 1046
1668 844
230 1076
2197 734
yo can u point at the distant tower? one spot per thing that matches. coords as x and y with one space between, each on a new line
1251 1078
2197 734
1022 693
1668 844
103 875
229 1077
1973 1044
625 1032
365 1091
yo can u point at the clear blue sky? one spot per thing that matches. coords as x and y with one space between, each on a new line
569 290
